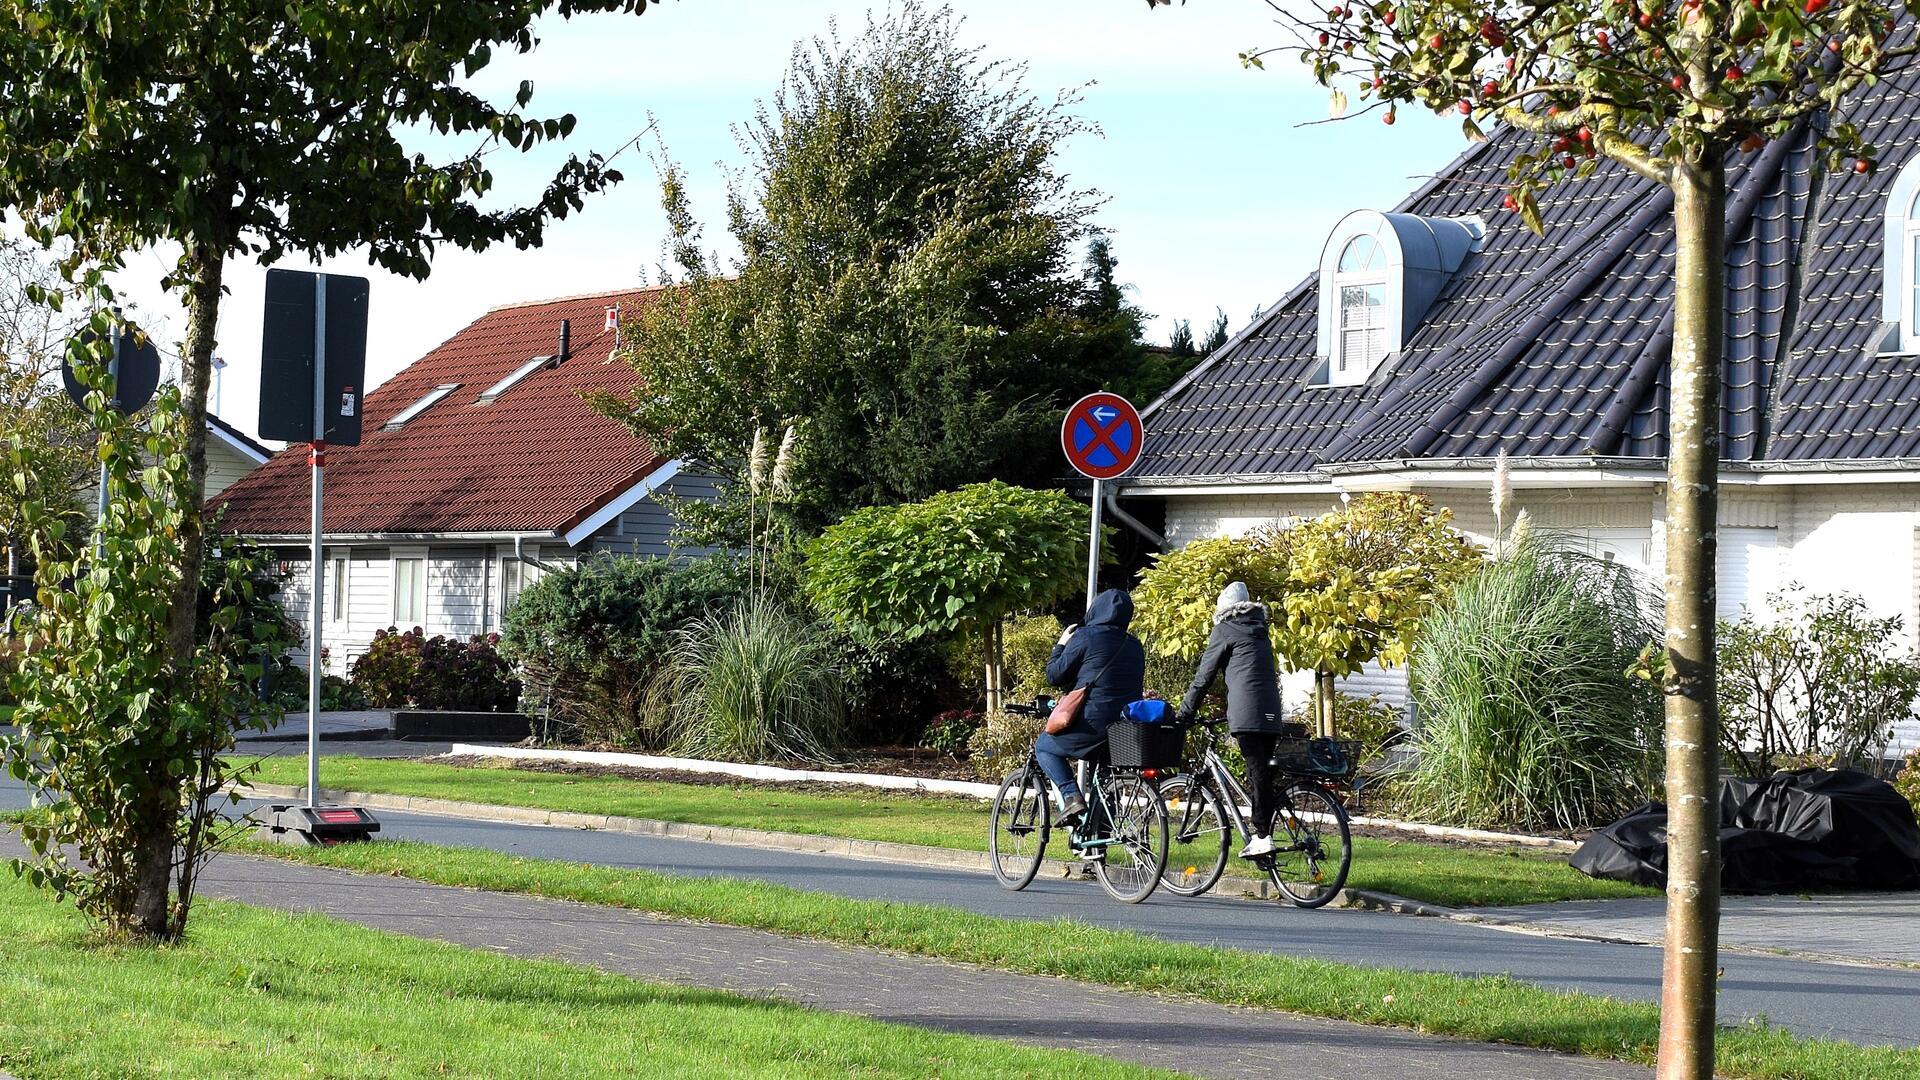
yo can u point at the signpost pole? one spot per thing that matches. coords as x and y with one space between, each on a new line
1093 549
100 507
317 460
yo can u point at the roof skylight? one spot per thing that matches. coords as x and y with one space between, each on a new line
508 383
433 397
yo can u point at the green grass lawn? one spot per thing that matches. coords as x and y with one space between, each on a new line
1489 1009
1450 875
260 994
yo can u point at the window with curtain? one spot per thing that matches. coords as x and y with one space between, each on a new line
409 593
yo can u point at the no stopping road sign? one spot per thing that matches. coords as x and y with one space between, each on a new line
1102 435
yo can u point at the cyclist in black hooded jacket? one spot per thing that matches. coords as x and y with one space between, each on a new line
1239 646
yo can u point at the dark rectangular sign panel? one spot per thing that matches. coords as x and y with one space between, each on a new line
286 357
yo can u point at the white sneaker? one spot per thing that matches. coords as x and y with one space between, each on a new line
1256 847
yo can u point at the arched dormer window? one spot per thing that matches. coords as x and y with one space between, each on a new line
1379 273
1360 287
1900 250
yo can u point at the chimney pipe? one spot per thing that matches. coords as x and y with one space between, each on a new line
566 339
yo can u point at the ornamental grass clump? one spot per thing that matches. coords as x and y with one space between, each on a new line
752 682
1528 716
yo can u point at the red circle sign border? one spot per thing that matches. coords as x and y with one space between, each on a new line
1129 414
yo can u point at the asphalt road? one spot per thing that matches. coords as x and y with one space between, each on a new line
1851 1003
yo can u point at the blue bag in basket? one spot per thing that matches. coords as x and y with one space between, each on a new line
1149 711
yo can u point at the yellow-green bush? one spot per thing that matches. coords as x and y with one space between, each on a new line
1908 782
1173 604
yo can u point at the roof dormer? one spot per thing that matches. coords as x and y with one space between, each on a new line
1379 274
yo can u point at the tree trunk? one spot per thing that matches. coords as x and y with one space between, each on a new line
1323 699
1692 723
154 841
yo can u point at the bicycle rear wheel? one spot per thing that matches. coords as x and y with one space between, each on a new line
1198 836
1137 856
1017 835
1311 865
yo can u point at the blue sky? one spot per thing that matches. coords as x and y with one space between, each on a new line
1217 196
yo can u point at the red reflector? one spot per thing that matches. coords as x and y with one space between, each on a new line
1151 774
338 817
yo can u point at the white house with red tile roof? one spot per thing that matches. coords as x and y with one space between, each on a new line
480 465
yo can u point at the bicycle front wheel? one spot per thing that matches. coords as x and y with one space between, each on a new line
1017 835
1137 855
1198 836
1311 865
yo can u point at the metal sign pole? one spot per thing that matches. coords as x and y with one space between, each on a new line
317 459
100 508
1093 549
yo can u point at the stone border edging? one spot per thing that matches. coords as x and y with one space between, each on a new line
728 768
874 850
969 788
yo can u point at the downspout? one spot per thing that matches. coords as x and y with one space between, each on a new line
521 557
1112 503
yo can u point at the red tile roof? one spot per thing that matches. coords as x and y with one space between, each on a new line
538 459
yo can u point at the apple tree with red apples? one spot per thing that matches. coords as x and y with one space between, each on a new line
1668 89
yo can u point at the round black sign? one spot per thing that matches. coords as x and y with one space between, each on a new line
139 373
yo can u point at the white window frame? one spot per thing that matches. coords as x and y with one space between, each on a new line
1385 271
433 397
1900 262
1339 371
396 557
491 393
1910 269
339 571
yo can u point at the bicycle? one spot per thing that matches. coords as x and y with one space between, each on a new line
1313 845
1123 833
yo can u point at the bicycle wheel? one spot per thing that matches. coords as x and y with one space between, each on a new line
1198 836
1312 864
1017 836
1137 854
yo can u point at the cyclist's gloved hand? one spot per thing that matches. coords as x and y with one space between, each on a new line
1068 632
1183 716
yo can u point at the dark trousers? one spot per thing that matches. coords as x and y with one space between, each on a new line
1257 748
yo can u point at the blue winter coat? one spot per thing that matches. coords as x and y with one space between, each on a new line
1101 651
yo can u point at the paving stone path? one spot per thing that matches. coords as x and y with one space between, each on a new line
1868 928
1191 1037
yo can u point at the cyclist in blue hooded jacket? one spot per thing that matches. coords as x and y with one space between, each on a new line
1101 655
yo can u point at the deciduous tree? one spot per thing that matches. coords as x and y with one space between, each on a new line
255 127
1359 582
906 289
1666 89
963 559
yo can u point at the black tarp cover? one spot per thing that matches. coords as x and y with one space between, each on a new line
1812 829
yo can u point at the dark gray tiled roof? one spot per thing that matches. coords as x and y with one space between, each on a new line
1558 347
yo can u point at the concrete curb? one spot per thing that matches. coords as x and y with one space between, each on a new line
872 850
916 783
728 768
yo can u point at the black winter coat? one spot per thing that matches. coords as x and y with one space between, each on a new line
1103 651
1239 645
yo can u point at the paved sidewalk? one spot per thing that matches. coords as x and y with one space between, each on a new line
1200 1039
1865 928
